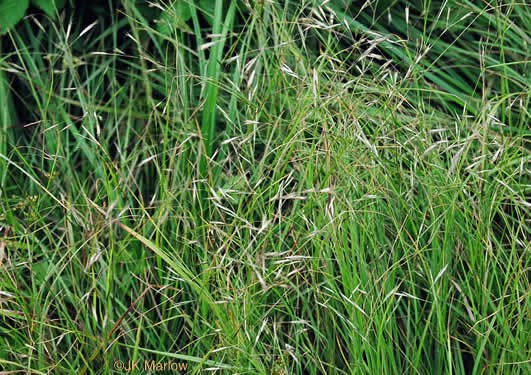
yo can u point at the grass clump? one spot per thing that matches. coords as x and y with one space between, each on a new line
269 188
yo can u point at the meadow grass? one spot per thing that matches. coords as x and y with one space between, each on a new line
298 187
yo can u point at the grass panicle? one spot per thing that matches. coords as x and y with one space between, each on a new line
298 187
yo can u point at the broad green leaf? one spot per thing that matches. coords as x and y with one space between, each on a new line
50 7
175 17
148 12
11 11
208 8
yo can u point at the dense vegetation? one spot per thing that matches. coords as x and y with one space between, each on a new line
267 187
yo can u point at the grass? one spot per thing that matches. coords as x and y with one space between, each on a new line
275 188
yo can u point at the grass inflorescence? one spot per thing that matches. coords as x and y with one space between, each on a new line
267 187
